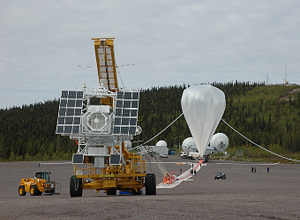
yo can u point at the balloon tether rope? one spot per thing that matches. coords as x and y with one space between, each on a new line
259 145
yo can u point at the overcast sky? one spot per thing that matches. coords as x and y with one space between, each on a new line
46 46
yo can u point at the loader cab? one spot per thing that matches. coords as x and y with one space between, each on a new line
43 175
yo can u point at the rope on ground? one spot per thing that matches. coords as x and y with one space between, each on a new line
259 145
160 166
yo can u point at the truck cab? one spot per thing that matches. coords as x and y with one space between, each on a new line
43 175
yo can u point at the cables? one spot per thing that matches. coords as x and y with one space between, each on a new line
161 167
278 155
259 145
158 133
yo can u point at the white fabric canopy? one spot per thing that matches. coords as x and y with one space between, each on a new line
203 107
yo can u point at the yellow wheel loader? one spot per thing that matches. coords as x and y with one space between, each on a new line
39 184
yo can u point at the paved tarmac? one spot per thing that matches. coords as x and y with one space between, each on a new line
243 195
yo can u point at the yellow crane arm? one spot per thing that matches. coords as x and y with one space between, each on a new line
105 58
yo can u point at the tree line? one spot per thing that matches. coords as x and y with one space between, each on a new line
269 115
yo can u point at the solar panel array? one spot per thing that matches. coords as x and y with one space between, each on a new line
106 67
69 113
127 104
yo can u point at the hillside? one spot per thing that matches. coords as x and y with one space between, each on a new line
268 115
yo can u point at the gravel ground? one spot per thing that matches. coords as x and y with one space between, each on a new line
244 195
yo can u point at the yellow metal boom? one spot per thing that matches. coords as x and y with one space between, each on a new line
105 58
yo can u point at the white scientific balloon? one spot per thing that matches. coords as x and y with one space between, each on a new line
203 107
220 141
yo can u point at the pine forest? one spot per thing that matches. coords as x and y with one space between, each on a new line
269 115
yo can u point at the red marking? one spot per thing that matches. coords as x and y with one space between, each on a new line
169 178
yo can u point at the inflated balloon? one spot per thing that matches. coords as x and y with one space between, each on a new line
203 107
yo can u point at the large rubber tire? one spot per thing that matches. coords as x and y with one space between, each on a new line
34 191
150 184
75 187
111 192
21 191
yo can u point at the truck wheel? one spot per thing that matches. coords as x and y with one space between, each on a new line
34 190
75 187
21 191
111 192
150 184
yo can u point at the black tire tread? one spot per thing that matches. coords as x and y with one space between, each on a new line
111 191
36 191
75 187
150 184
24 193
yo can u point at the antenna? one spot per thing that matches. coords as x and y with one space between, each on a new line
285 80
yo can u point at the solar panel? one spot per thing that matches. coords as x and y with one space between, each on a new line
69 113
119 103
134 113
125 121
75 130
71 103
76 121
77 112
127 95
126 114
64 94
106 70
62 112
124 130
59 129
117 121
127 104
135 95
120 95
77 159
135 104
72 94
63 103
115 159
119 112
80 95
69 120
60 120
132 130
133 121
117 130
68 129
